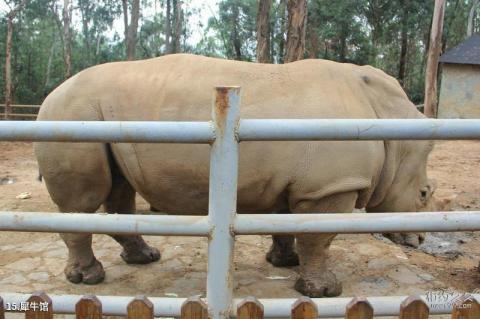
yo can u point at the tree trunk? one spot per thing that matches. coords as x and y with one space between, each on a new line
168 29
237 44
178 25
471 17
263 31
343 45
67 47
8 58
125 20
49 65
283 29
404 44
132 30
314 46
433 56
86 37
297 20
8 66
97 48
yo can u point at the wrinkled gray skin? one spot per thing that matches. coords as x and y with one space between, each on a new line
281 177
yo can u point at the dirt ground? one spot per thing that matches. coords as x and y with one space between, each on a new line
368 265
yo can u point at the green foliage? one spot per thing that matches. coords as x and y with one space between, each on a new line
236 28
352 31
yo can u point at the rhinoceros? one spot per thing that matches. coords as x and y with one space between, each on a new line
274 177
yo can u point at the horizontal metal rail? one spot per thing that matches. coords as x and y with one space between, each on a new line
167 225
19 114
33 106
107 131
273 308
245 224
357 223
248 130
358 129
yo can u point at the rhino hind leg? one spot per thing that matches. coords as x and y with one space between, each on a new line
316 279
282 253
121 200
82 266
77 183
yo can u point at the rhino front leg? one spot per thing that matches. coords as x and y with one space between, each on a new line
316 280
406 239
282 253
121 200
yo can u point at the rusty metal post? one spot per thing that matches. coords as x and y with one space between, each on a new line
222 201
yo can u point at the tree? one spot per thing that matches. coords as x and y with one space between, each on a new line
278 33
405 4
150 37
376 13
235 28
96 18
8 64
433 57
174 26
168 28
131 28
263 31
296 30
312 38
382 33
336 31
471 17
177 25
67 37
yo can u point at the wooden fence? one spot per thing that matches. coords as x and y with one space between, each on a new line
21 111
39 306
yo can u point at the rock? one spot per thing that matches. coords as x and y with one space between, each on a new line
24 195
426 277
381 263
39 276
405 276
368 250
6 180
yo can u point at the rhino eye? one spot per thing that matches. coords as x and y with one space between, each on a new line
423 194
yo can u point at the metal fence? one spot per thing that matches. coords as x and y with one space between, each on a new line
222 224
20 111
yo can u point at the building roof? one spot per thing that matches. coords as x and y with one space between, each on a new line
467 52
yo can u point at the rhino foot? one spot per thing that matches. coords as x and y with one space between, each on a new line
406 239
282 260
90 275
145 255
327 286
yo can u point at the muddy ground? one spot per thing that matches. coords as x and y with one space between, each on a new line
367 265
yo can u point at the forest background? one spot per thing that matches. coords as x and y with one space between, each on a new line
52 40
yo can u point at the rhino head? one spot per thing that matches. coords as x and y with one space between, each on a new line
404 186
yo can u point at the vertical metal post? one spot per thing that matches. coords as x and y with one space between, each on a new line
222 201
